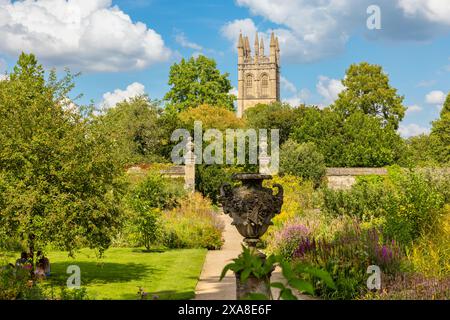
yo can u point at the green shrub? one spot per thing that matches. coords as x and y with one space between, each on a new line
209 179
16 284
302 160
406 203
194 224
146 202
155 192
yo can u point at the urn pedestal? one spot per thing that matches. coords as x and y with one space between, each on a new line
252 207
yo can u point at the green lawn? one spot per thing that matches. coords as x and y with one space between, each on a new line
171 274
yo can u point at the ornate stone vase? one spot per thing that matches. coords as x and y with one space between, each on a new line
251 205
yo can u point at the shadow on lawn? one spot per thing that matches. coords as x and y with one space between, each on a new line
107 272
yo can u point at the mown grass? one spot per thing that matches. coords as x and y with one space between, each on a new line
170 274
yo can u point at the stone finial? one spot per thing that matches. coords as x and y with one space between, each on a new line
247 47
240 41
189 166
261 47
264 159
189 155
256 45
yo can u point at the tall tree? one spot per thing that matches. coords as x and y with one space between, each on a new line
136 126
441 134
368 90
353 141
272 116
197 81
59 182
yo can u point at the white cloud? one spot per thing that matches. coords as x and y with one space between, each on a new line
329 89
295 97
88 35
413 108
300 97
287 85
110 99
412 129
183 41
435 97
232 29
310 30
3 77
432 10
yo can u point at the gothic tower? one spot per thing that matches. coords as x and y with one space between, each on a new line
258 75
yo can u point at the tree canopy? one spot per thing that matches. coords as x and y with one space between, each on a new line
440 132
197 81
136 126
357 140
59 183
272 116
368 90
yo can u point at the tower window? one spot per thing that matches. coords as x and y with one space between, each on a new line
264 85
249 81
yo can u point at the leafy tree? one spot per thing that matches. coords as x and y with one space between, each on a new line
272 116
441 133
358 140
367 144
211 118
368 90
419 151
197 81
323 128
302 160
60 183
147 200
136 126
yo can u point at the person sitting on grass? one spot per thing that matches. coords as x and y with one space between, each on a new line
45 262
24 261
39 273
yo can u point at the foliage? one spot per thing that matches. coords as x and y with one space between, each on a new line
16 284
357 140
209 179
430 254
441 133
367 90
197 81
406 203
156 192
285 241
211 118
272 116
419 152
61 182
298 196
347 257
73 294
194 224
136 127
413 287
302 160
146 200
250 264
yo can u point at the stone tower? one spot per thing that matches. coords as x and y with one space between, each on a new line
258 75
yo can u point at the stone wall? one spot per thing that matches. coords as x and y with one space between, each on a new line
345 178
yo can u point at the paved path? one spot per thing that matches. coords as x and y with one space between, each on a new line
209 287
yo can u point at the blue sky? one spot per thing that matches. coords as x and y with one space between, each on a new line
126 47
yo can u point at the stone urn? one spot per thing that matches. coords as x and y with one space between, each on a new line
252 207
